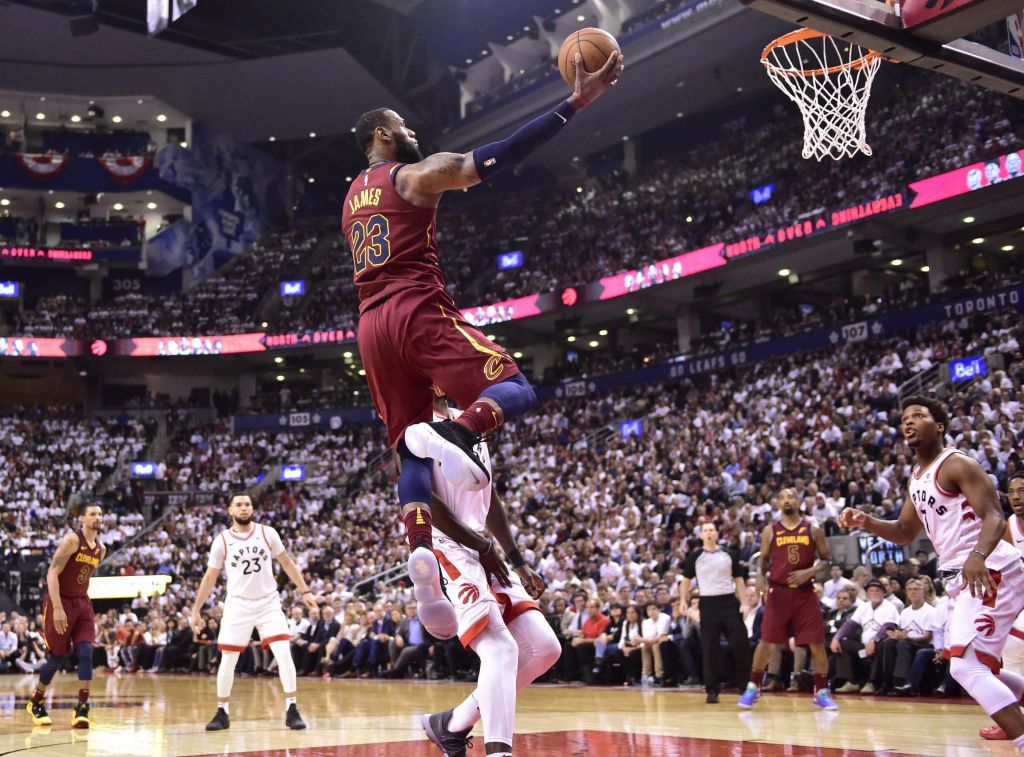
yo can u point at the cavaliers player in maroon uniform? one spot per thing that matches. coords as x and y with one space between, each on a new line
67 613
793 553
411 334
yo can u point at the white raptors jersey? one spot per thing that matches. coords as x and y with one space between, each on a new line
247 560
951 523
1013 525
469 507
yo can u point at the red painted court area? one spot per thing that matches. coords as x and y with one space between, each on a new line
583 744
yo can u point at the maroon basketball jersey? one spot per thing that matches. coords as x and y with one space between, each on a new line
392 241
74 579
792 549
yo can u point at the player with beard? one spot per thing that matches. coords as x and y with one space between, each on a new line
244 552
411 334
793 552
68 617
953 499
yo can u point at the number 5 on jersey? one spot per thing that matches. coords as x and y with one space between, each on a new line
370 245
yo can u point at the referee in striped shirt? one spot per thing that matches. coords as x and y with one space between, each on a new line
723 592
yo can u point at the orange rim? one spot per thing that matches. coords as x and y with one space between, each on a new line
801 35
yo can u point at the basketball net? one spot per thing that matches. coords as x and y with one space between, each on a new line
830 81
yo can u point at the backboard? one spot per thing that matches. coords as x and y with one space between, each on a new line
923 33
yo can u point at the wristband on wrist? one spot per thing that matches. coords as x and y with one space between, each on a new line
488 548
516 558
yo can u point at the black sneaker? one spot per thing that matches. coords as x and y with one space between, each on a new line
451 743
451 445
220 722
38 712
80 718
293 719
712 697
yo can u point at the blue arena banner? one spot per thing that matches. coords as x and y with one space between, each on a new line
10 290
967 368
507 260
293 472
293 288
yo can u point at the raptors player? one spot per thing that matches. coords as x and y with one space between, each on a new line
1013 652
411 334
953 498
244 551
67 613
497 616
788 566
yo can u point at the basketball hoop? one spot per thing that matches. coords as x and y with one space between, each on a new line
830 81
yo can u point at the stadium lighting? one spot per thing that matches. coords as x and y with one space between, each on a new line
161 117
118 206
630 311
977 240
5 113
280 377
603 332
492 337
347 355
362 372
689 219
679 114
40 116
116 119
311 180
509 37
5 202
592 343
468 61
517 355
1007 248
348 178
151 205
59 205
184 145
968 219
570 338
76 118
272 138
925 268
312 135
579 190
263 325
784 272
278 359
896 262
581 17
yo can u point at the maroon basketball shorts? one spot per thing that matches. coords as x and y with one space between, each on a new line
415 340
81 624
792 613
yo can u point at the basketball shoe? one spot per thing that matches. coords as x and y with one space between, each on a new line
749 696
823 699
80 718
432 606
220 722
451 445
38 712
293 719
451 743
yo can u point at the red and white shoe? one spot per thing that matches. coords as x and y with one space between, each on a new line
993 733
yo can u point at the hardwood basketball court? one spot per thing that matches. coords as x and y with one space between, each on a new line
165 716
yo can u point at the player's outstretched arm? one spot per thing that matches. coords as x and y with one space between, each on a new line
292 570
423 183
900 531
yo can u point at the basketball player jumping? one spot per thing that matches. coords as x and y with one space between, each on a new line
787 568
244 551
67 613
412 336
953 498
495 618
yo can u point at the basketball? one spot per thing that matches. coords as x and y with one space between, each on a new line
595 45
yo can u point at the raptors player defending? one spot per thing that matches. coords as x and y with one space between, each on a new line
953 498
67 613
495 613
412 336
788 567
1013 652
244 551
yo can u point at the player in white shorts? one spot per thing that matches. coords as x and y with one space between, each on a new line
497 615
1013 652
953 498
244 552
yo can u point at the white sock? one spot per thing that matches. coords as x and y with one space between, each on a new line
465 715
226 673
288 702
285 664
1019 743
226 706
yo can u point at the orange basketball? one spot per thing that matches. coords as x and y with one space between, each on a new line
595 45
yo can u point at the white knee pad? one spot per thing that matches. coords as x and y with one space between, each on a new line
978 680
